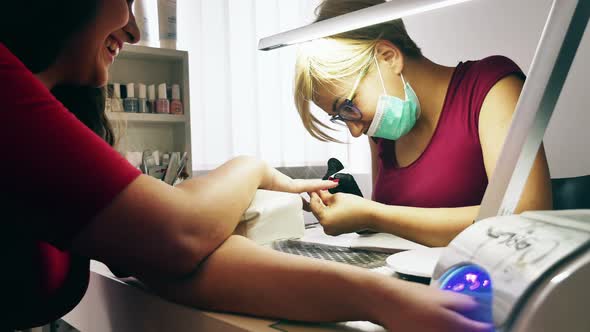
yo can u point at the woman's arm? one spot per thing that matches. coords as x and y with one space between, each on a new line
494 122
428 226
152 229
245 278
344 213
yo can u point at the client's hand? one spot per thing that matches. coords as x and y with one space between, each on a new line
423 308
277 181
340 213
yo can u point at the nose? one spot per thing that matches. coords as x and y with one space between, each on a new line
355 128
132 33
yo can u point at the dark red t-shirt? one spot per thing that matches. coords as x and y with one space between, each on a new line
57 175
450 172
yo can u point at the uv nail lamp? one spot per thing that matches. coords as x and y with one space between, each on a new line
529 272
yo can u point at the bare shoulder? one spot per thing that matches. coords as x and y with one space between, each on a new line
500 102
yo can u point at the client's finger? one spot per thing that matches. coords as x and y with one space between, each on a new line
301 186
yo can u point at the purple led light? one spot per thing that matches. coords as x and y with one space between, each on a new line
458 287
471 277
468 279
474 285
474 281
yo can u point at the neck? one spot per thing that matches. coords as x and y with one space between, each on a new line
430 81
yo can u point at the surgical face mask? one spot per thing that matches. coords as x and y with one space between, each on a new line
394 117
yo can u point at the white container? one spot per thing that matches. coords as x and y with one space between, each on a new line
167 23
146 17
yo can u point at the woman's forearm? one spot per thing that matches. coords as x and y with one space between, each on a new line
433 227
245 278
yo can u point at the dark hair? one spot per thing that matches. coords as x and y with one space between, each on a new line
88 105
36 31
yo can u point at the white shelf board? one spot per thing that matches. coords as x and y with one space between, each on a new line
152 53
154 118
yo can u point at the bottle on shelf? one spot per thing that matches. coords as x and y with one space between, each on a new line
131 104
167 23
116 102
151 102
108 101
176 105
146 16
142 100
162 104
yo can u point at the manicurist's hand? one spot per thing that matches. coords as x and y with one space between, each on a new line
277 181
340 213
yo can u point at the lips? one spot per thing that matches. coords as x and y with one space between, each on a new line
113 45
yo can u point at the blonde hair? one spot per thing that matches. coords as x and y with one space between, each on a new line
331 60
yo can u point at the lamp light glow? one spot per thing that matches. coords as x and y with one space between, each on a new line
384 12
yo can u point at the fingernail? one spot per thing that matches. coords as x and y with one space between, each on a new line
335 180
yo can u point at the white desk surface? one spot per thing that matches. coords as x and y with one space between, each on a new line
111 304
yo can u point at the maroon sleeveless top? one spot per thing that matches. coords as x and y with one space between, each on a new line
450 172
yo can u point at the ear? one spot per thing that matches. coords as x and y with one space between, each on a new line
388 53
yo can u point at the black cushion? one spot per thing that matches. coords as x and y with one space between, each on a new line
571 193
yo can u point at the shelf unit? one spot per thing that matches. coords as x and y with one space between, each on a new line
153 118
163 132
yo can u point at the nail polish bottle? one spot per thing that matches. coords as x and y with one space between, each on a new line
131 104
142 101
176 105
162 104
108 101
123 93
151 102
116 102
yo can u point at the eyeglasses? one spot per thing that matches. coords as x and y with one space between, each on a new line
348 111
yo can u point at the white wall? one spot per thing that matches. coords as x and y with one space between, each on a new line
481 28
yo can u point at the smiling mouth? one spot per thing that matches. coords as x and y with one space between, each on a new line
113 46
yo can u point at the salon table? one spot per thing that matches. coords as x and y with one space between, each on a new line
112 304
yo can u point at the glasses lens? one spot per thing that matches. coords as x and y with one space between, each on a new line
349 112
